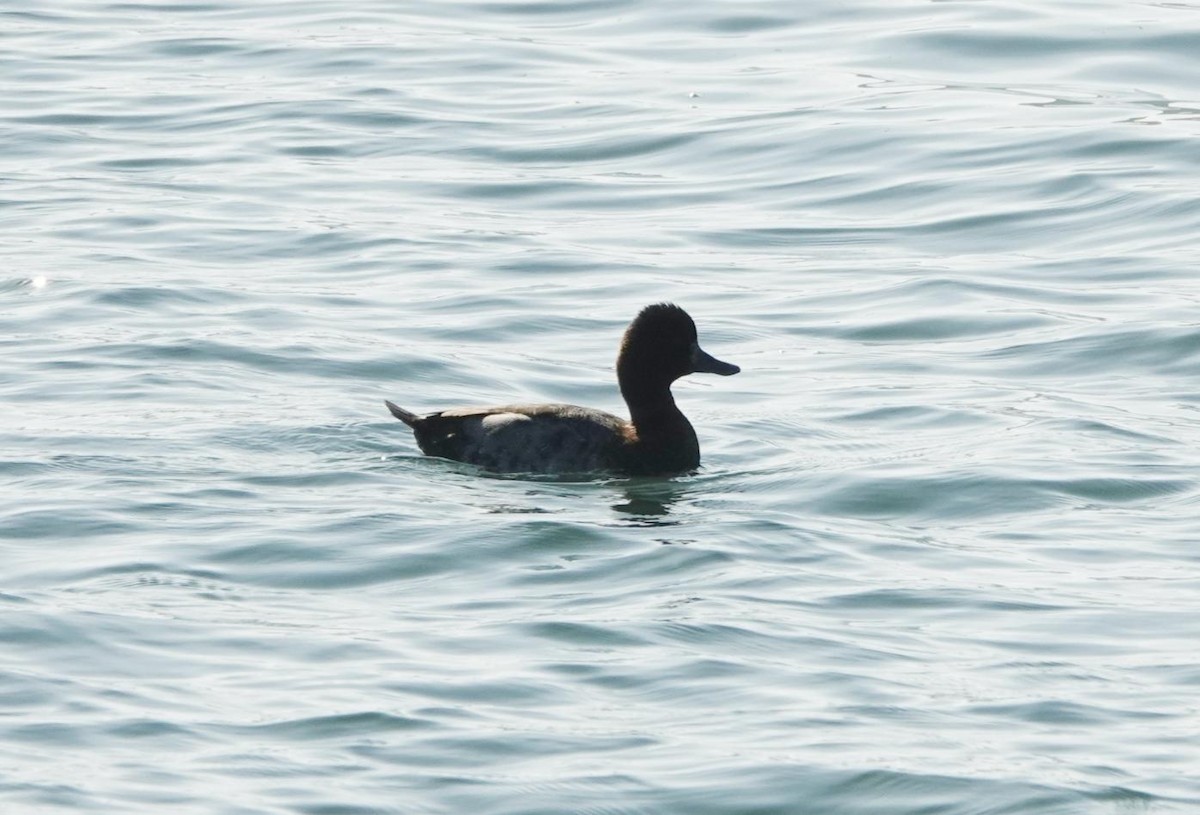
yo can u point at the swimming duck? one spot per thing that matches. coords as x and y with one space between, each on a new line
658 347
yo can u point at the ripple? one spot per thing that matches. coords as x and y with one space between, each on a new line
1164 349
356 726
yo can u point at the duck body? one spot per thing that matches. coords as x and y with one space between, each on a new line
521 438
658 347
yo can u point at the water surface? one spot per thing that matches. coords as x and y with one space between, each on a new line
941 556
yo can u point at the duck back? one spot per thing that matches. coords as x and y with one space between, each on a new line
522 438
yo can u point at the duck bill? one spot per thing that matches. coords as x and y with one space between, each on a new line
704 363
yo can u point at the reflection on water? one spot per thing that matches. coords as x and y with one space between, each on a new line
650 502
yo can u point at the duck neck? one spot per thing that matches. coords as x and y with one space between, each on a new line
652 409
663 439
657 417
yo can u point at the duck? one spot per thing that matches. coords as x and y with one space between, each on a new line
658 347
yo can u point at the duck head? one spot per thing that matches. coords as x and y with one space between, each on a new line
660 346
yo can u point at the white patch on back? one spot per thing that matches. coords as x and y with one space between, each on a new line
496 421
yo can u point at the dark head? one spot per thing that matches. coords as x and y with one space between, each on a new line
659 347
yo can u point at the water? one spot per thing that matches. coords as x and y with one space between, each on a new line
941 557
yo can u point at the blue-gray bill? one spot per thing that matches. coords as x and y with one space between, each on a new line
705 363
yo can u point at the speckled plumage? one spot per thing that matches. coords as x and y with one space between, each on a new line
658 347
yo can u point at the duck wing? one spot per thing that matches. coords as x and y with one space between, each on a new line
522 438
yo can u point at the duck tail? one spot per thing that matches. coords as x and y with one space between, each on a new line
400 413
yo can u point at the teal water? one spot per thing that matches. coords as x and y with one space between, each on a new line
942 556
